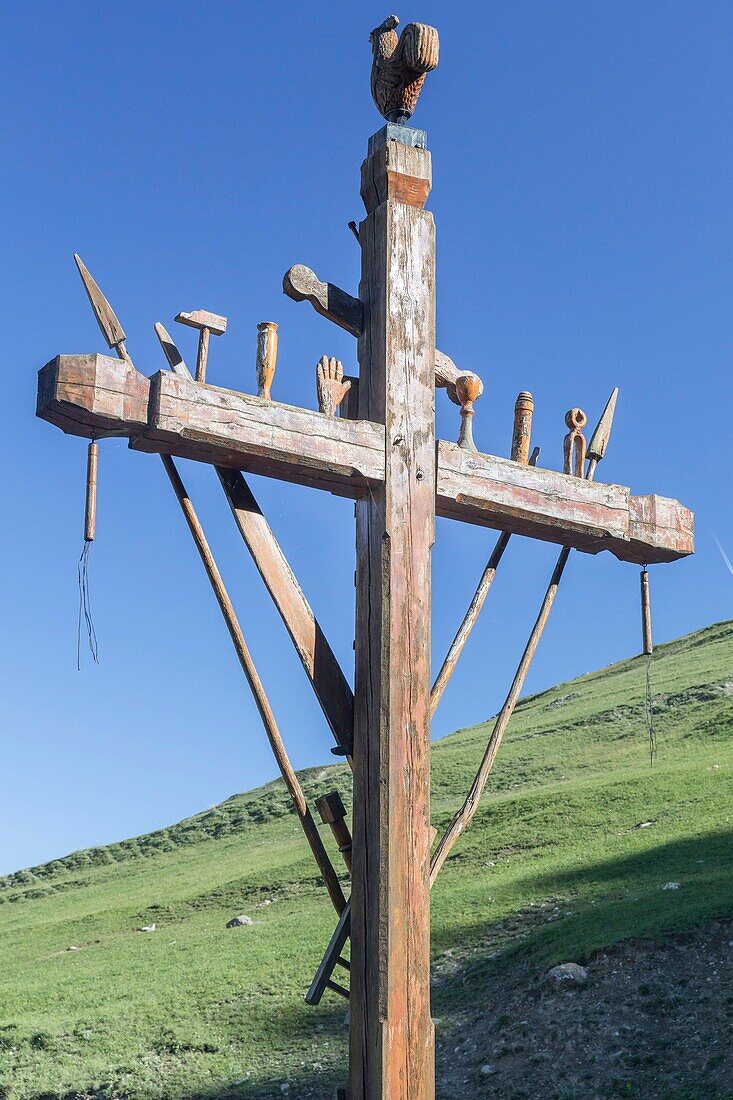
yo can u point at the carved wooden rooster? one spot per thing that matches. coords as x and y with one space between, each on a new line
400 65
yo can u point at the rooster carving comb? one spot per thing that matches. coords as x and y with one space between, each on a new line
399 66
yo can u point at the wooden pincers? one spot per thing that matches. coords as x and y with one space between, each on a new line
574 448
207 323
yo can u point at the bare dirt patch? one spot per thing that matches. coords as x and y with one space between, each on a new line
653 1021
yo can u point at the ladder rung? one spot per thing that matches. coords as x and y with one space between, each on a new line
337 989
344 962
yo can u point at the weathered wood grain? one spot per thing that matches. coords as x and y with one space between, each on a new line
543 504
267 341
237 430
303 285
93 395
399 65
522 430
331 387
391 1031
86 394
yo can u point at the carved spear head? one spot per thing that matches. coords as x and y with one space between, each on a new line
602 434
112 330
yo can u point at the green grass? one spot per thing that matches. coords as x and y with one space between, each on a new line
552 869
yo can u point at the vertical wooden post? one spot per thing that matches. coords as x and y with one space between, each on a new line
646 615
391 1032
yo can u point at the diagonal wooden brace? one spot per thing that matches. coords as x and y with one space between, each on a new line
318 659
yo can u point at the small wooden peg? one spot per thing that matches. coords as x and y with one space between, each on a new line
266 357
574 449
468 390
207 324
333 814
523 409
330 384
646 615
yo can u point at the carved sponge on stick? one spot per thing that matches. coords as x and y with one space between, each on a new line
400 65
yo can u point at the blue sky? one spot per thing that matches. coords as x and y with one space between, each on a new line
582 180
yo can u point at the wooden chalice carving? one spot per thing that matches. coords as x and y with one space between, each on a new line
575 445
469 388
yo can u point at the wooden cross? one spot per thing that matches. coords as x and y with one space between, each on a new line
388 460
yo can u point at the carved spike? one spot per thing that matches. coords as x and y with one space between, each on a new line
175 360
112 330
599 440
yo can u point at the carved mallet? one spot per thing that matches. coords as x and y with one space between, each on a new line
207 324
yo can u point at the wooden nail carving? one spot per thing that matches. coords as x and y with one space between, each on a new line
522 434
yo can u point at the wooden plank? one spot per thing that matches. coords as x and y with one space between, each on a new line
262 436
547 505
391 1031
83 394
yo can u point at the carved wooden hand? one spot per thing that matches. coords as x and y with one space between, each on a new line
330 383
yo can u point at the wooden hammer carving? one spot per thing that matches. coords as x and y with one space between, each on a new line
207 323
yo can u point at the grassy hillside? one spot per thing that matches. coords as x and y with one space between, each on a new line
555 867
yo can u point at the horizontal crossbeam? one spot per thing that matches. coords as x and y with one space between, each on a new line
168 414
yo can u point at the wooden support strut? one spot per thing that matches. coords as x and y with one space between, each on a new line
319 662
263 704
465 814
